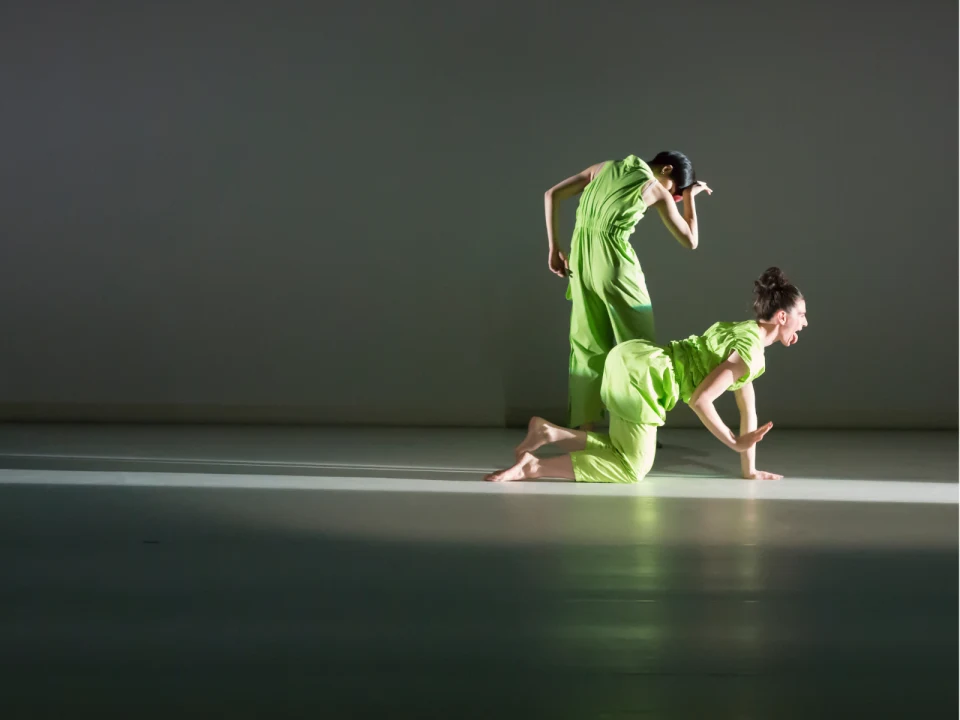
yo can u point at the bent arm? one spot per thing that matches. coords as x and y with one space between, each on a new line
712 387
570 187
682 227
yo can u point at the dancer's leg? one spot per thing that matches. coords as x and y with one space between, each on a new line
591 338
637 444
530 467
541 432
629 305
625 456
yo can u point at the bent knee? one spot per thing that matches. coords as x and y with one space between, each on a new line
638 468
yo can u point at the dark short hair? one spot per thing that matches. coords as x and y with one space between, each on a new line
682 175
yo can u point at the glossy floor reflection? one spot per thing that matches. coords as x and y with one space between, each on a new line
158 602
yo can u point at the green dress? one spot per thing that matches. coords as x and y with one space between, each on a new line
643 381
610 300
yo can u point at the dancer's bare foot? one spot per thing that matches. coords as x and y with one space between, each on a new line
524 470
538 435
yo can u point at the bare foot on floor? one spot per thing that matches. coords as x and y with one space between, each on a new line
538 435
523 470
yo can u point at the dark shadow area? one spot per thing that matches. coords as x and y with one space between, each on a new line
673 456
153 603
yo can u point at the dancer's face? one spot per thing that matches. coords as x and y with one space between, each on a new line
791 323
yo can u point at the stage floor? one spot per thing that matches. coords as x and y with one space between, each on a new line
295 572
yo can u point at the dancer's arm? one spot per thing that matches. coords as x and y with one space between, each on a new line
682 227
712 387
570 187
747 403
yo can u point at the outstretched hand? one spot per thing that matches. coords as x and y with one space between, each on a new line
697 188
748 440
558 263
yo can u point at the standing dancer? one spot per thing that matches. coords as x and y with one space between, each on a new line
610 299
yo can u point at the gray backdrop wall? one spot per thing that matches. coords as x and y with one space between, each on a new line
268 210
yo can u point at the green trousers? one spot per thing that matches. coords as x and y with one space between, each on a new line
639 387
610 305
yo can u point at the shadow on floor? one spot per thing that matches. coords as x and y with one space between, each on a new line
154 603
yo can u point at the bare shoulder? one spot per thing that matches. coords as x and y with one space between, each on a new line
735 361
594 170
655 193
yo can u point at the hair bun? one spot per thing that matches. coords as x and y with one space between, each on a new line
774 292
771 281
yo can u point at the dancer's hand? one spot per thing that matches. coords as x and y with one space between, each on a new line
558 264
696 189
748 440
762 475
